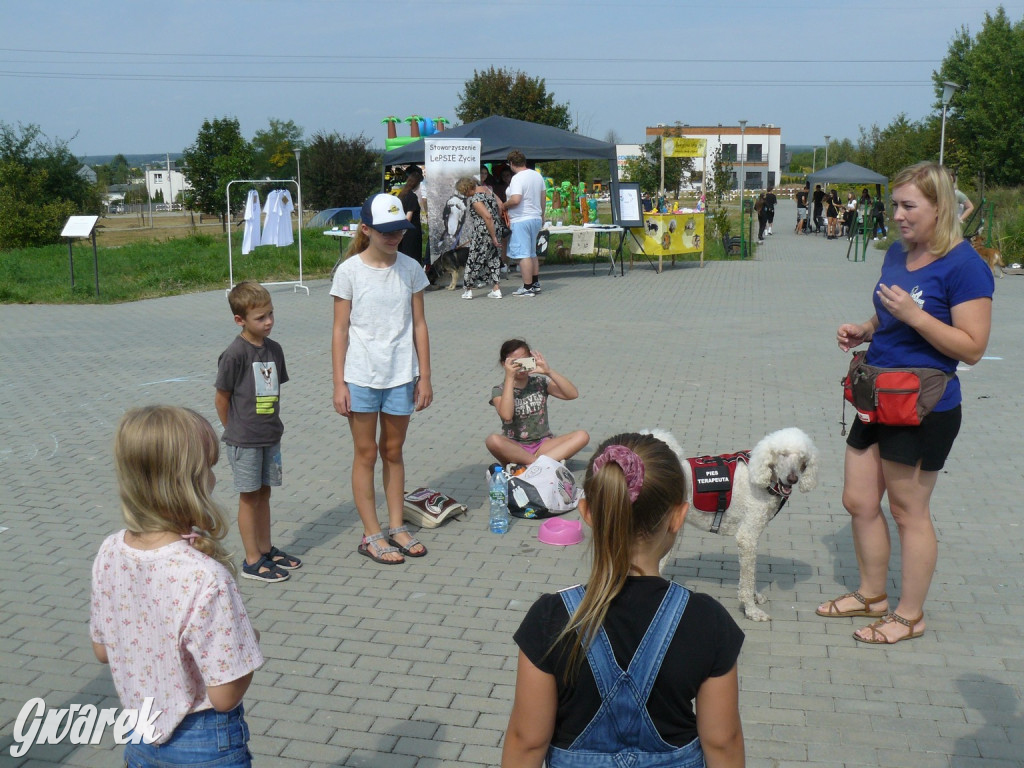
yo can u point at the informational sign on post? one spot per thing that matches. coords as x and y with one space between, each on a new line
447 161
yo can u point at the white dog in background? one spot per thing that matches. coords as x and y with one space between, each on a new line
781 460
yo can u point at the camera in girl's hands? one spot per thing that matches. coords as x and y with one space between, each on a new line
527 363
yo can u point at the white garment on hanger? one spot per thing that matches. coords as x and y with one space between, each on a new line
251 238
272 217
284 221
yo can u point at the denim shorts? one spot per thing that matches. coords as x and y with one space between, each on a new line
394 401
207 739
255 467
523 244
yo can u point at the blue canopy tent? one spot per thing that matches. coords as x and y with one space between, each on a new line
849 173
500 135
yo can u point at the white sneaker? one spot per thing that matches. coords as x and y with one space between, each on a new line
523 291
468 294
494 294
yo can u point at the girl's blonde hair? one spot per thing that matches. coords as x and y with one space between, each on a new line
936 185
163 455
617 524
359 244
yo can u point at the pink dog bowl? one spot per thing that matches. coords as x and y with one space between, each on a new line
560 532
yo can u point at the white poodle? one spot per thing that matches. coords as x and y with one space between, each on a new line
779 461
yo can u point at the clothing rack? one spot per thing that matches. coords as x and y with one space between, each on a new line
231 267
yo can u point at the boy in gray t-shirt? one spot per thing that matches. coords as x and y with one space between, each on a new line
250 373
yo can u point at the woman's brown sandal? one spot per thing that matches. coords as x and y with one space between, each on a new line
879 638
832 610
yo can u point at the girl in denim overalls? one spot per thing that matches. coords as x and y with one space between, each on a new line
575 706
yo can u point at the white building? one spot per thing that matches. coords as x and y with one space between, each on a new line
759 146
167 180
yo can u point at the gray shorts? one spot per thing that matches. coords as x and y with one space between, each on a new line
255 467
801 214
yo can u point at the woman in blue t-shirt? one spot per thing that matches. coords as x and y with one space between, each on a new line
933 309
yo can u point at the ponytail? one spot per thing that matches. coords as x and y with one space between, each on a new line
633 481
359 243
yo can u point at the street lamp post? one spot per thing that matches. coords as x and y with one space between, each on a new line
948 89
298 183
814 160
827 137
743 235
149 197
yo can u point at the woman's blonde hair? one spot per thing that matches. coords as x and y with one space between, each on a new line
465 186
617 524
936 185
163 455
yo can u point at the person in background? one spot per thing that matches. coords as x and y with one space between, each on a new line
850 215
412 242
963 203
770 201
932 309
801 210
525 205
762 216
483 265
818 198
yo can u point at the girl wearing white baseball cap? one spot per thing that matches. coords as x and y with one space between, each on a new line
381 359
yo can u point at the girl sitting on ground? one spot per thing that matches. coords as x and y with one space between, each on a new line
522 403
574 705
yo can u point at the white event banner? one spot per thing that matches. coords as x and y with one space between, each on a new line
447 161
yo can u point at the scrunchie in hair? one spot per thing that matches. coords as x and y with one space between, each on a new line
631 464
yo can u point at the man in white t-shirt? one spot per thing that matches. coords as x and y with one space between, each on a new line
525 204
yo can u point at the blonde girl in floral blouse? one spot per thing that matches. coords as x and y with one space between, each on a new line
166 613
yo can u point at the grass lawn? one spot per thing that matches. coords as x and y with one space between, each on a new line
138 263
179 253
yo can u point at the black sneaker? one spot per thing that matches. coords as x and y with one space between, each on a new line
535 287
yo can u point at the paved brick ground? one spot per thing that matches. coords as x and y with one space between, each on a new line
414 665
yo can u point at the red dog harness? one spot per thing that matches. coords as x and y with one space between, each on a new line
712 484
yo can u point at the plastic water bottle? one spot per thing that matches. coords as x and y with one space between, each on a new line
498 491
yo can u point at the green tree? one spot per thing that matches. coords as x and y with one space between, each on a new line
28 215
274 148
646 169
721 176
985 119
339 170
890 149
511 94
41 185
219 155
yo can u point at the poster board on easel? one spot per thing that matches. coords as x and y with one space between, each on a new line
626 209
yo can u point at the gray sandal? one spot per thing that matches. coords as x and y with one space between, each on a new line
373 549
405 550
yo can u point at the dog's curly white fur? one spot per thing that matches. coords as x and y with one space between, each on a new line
787 456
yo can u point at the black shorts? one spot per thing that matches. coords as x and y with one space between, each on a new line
929 443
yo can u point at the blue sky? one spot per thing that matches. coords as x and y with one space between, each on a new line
140 77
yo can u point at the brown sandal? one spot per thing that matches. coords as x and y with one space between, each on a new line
832 611
889 618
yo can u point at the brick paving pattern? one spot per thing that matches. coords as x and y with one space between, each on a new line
409 666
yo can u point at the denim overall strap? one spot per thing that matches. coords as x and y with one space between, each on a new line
621 733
